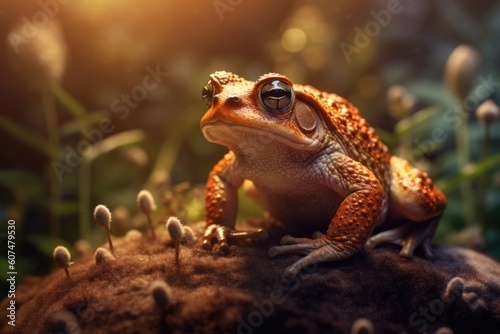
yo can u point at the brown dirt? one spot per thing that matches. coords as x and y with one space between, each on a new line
244 292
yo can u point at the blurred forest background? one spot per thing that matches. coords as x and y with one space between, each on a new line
131 72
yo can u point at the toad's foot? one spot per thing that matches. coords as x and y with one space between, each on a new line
222 234
316 250
409 236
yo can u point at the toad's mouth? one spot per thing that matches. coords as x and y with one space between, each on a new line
228 134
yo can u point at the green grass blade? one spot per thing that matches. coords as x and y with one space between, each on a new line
68 101
27 137
113 142
415 121
77 125
18 179
470 172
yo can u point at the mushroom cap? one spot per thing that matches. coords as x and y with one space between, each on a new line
174 227
145 201
62 256
102 216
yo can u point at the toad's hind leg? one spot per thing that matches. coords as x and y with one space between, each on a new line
417 203
351 226
346 234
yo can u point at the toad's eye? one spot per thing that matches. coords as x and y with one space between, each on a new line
276 97
207 94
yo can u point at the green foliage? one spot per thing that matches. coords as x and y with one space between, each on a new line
22 180
472 172
27 137
248 207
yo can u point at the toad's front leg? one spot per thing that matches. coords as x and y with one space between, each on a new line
352 224
221 205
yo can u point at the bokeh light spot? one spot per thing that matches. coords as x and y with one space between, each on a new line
294 39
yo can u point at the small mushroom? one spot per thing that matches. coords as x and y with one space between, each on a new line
454 290
188 234
488 112
63 258
462 67
146 204
362 326
444 330
162 293
63 321
174 227
102 217
82 247
133 235
102 255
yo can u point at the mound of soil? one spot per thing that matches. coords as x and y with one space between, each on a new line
246 292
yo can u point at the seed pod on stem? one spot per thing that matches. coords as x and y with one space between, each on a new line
63 258
102 255
146 204
102 217
454 290
362 325
462 67
188 234
488 112
162 293
174 227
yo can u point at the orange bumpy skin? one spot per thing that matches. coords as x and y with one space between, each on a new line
315 164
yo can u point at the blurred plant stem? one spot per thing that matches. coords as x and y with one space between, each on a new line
461 70
68 101
54 140
79 112
414 122
474 171
84 199
84 173
29 138
410 124
168 152
463 160
483 183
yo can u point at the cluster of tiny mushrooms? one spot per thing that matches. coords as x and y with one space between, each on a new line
102 217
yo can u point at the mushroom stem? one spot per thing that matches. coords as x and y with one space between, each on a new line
148 215
108 236
483 181
177 248
66 271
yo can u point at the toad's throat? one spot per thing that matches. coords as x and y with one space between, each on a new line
217 132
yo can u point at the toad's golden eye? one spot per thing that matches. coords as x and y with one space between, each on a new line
207 94
276 97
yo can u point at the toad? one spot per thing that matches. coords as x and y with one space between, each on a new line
315 164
